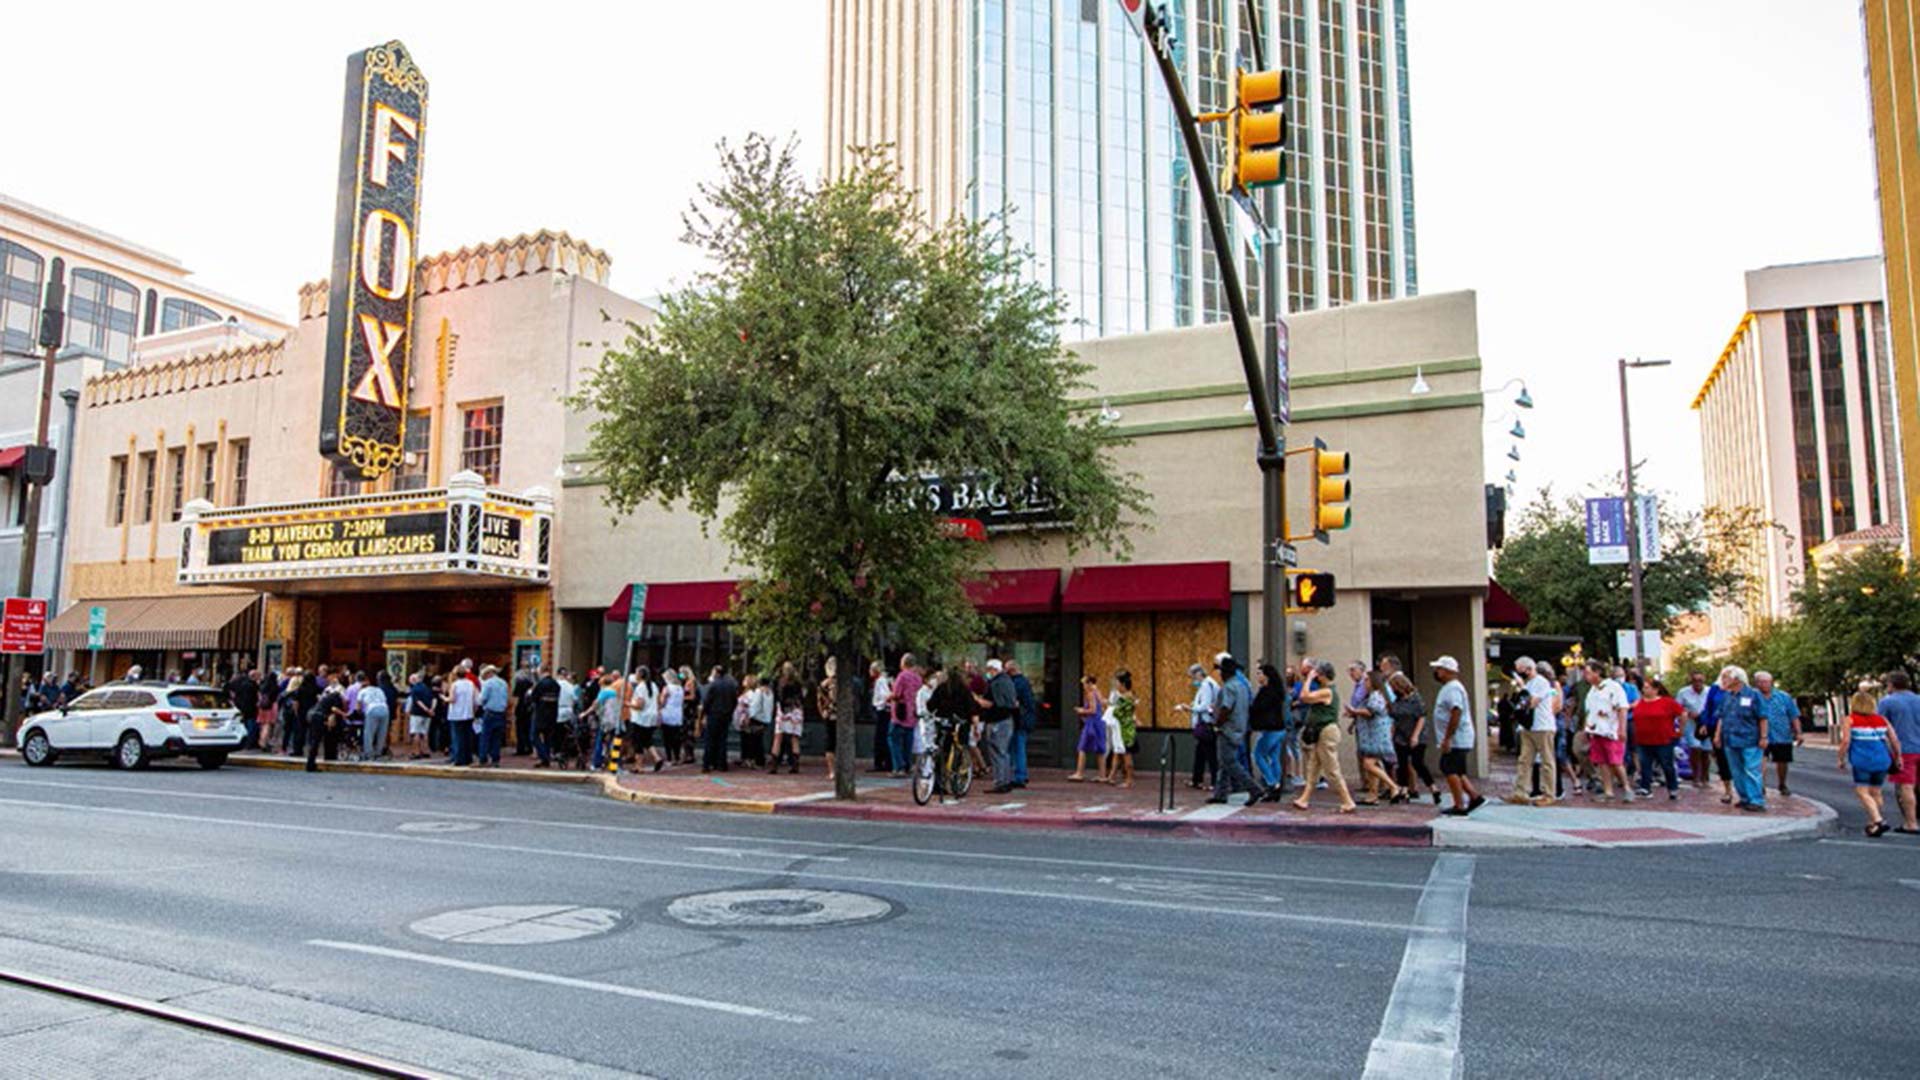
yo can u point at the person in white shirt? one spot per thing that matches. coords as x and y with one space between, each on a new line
1537 738
1453 724
881 707
375 720
1693 698
462 696
643 717
1606 727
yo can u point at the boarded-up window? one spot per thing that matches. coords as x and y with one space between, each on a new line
1156 648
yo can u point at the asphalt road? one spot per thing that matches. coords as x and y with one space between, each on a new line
338 907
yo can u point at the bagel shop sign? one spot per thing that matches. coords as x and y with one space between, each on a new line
371 288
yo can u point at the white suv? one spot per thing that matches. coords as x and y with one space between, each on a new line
133 723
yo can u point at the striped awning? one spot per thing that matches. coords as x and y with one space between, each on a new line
225 621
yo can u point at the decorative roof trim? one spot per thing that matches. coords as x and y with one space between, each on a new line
485 263
1726 357
186 373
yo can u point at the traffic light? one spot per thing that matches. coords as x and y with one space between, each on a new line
1257 131
1309 590
1331 489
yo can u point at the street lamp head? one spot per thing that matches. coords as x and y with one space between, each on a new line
1419 383
1513 453
1518 432
1649 363
1525 400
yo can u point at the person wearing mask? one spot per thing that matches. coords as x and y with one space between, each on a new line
523 680
904 713
753 718
1868 746
1658 719
419 715
1206 694
1232 715
1741 730
1900 708
1093 729
545 698
1453 721
1409 713
1540 719
608 716
376 718
293 714
1606 724
1267 723
1373 735
328 716
879 706
643 720
716 713
1783 726
462 701
1024 723
1698 743
1320 737
1002 706
1123 726
493 703
673 697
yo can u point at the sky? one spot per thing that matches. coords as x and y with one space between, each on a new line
1602 174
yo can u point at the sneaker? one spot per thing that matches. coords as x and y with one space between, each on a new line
1455 811
1673 796
1477 803
1645 793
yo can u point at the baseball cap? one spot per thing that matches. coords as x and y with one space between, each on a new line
993 666
1447 663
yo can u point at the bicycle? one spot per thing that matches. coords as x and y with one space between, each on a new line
948 768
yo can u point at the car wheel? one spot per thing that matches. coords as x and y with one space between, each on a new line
37 750
213 760
130 752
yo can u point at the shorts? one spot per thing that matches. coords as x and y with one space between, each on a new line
1781 752
1907 772
795 726
1114 742
1869 777
1453 763
1604 751
641 736
1131 749
418 725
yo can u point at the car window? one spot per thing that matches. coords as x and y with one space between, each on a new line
129 699
199 699
90 701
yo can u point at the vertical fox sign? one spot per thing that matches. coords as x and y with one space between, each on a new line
370 296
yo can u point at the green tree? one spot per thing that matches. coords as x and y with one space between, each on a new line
839 348
1544 565
1792 652
1861 615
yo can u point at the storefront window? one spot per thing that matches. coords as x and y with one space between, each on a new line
480 441
341 482
412 474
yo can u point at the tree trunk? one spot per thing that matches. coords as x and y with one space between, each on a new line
846 707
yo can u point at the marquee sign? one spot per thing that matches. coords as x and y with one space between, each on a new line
363 411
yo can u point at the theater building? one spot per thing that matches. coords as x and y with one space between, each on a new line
213 535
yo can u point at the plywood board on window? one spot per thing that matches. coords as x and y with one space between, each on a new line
1180 640
1111 642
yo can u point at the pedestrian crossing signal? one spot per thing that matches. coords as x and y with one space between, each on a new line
1310 590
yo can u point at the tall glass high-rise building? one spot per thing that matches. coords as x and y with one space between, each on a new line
1052 110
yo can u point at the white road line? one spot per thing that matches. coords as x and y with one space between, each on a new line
743 852
562 980
690 834
635 860
1211 812
1094 809
1910 883
1420 1033
1006 806
811 796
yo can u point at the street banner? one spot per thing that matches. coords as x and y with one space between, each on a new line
23 626
1607 530
96 628
1649 647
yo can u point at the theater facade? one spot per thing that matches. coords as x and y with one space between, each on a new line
214 535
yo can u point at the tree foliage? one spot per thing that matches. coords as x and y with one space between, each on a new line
1544 565
1858 618
839 348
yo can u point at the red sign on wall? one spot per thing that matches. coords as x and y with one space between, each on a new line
23 628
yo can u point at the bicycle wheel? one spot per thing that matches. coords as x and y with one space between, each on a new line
959 773
923 778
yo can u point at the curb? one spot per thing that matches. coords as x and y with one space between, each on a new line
1274 832
610 787
1489 835
436 772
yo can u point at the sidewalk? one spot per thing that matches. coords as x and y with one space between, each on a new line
1051 801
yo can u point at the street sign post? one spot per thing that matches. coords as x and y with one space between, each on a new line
96 628
637 612
23 627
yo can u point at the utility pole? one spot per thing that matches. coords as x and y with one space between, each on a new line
36 472
1271 455
1634 554
1273 494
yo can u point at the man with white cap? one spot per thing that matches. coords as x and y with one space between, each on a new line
1453 720
1000 716
1537 736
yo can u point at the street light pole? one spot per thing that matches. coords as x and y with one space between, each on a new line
1634 555
52 324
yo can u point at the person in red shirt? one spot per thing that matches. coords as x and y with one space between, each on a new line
1656 727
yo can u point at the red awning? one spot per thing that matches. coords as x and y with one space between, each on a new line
1015 592
11 457
1503 612
1150 587
678 601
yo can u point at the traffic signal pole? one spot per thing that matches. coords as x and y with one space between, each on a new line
52 322
1271 456
1273 487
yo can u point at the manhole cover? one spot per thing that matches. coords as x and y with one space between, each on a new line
782 909
517 924
439 826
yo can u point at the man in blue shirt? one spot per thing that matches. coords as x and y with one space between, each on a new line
1901 708
1023 722
1783 725
1740 733
493 716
